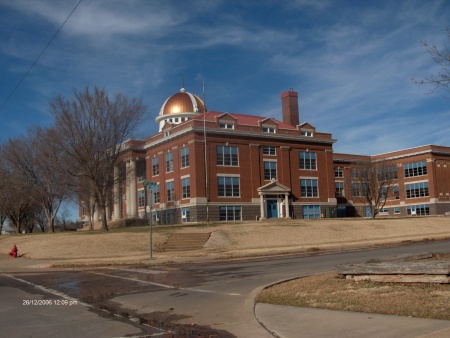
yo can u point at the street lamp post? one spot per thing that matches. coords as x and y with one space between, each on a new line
149 186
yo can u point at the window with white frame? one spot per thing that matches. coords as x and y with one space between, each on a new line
170 191
396 192
384 211
228 186
419 210
338 172
156 194
311 211
140 171
269 150
169 162
414 190
270 170
227 155
230 213
309 187
141 198
226 125
415 169
155 166
184 157
185 214
186 187
339 189
307 160
269 130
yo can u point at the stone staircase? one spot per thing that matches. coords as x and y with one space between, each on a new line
185 241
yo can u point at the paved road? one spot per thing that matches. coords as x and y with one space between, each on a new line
184 299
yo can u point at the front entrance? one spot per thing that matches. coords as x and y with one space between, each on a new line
274 200
272 209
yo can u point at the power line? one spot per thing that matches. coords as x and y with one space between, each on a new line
38 57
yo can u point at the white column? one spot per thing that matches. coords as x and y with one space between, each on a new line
116 193
95 205
127 190
133 188
261 206
286 203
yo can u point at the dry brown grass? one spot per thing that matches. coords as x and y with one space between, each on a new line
228 240
329 291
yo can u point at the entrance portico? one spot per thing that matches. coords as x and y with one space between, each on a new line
274 200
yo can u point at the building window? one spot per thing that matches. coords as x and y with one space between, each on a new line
141 198
396 210
269 150
156 195
228 186
339 189
415 169
169 162
384 211
311 211
307 161
419 210
184 157
185 215
307 133
227 155
270 170
140 171
269 130
414 190
308 188
155 166
230 213
170 191
186 187
83 209
338 172
167 133
356 189
226 125
396 193
390 173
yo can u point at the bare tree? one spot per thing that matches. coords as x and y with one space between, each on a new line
15 201
40 164
87 197
92 129
373 182
41 219
442 57
62 221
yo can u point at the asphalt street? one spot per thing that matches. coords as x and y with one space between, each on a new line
197 299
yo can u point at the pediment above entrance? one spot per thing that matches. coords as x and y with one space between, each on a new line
274 188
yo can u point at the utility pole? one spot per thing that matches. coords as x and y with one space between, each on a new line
150 186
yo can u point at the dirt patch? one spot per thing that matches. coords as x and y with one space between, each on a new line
330 291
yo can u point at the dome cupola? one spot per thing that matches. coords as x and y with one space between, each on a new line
179 108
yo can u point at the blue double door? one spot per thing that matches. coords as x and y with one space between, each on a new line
272 209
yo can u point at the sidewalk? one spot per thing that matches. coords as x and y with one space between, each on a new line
295 322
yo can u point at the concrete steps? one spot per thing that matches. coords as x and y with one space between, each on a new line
185 241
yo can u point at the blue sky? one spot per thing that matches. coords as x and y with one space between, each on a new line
350 61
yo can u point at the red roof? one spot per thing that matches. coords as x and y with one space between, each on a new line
244 119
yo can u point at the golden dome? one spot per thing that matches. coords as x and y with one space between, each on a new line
182 102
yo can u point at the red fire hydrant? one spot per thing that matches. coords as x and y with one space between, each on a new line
13 252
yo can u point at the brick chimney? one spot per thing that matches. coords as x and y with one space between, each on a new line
289 107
